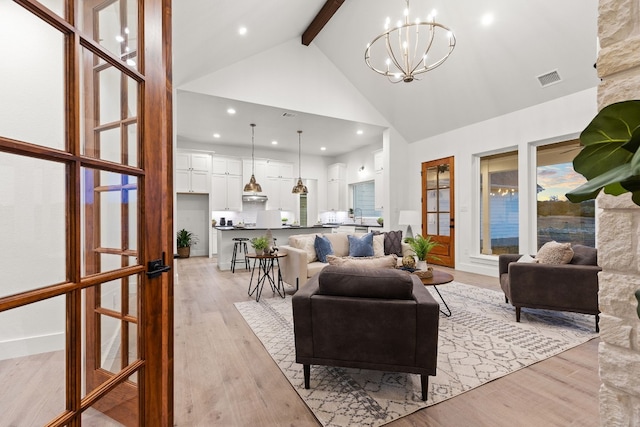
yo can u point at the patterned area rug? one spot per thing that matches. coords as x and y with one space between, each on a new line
479 343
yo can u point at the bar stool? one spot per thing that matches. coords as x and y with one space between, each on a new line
239 246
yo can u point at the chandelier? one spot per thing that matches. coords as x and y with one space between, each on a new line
410 48
299 188
252 185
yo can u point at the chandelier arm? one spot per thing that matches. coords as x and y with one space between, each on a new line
392 56
438 63
432 33
415 51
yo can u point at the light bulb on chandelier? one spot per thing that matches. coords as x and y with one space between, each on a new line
402 52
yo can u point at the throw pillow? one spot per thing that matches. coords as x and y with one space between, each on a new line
393 243
323 248
527 258
306 243
555 253
387 261
378 244
361 246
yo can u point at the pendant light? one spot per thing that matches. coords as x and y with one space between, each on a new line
253 186
299 188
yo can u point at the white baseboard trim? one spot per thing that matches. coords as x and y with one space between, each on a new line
28 346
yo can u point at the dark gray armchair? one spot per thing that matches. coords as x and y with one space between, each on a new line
563 287
381 319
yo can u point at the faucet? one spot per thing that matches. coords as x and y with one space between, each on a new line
355 215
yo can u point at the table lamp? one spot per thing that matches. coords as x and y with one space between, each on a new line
408 218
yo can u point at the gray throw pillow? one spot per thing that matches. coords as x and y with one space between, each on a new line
393 243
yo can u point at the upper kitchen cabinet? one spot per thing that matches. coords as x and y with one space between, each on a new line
226 192
192 172
337 187
227 166
226 183
279 169
278 186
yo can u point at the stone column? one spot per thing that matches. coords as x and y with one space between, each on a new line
618 229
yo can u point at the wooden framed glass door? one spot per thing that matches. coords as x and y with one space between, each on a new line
438 208
85 166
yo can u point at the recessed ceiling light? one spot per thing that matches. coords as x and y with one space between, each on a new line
274 142
323 148
360 132
231 111
119 38
487 19
242 31
216 135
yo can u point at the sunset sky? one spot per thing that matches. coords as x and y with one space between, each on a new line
558 180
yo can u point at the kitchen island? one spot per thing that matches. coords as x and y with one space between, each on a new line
225 234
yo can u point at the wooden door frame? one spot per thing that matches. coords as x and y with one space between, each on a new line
155 370
446 259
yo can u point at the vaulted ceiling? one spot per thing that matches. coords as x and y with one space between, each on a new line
493 70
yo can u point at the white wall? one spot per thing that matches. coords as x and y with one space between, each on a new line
549 122
311 84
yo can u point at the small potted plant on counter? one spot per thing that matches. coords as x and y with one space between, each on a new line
260 244
184 240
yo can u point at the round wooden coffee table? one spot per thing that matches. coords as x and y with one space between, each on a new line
439 278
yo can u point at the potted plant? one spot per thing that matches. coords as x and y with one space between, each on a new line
421 246
259 244
184 241
380 221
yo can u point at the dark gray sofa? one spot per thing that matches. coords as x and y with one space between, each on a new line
381 319
563 287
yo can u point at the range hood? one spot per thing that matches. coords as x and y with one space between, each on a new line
258 198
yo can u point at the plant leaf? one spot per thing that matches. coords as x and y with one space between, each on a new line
590 189
610 139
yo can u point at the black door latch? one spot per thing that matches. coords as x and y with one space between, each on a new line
157 267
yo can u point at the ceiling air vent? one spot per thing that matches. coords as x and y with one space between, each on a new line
549 78
287 114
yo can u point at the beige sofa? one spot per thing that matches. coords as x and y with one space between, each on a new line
301 262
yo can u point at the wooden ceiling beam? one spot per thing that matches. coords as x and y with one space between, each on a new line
328 10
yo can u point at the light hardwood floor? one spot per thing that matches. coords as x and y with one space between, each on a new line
224 376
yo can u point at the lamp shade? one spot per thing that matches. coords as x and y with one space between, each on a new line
410 218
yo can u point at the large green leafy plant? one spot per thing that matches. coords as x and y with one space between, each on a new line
610 159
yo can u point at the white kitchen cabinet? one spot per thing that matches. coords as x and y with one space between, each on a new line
192 172
227 166
377 161
379 190
226 193
278 186
278 191
279 169
337 187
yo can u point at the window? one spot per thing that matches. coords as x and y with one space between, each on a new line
558 218
499 204
364 198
